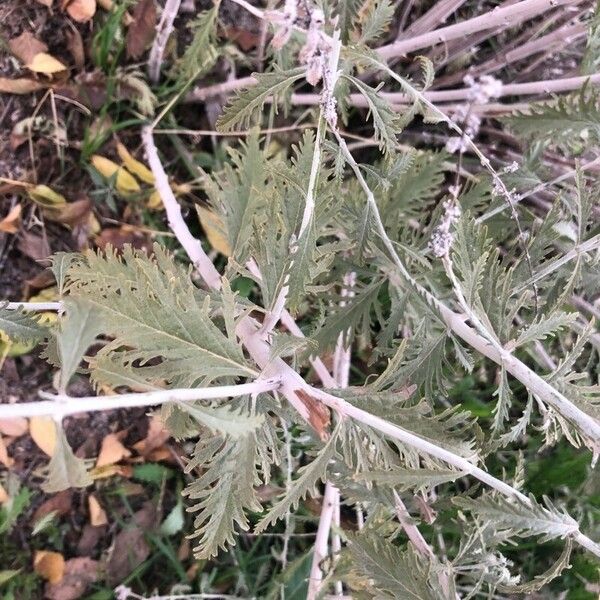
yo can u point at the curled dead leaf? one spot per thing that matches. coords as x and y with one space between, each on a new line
80 10
12 221
49 565
5 459
14 427
22 85
97 513
75 47
157 435
43 432
112 451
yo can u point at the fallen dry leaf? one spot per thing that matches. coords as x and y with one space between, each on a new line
49 565
46 197
46 64
26 46
47 3
59 503
80 10
5 459
12 222
112 451
118 237
124 182
97 514
135 166
75 47
130 548
34 246
72 213
43 432
157 435
142 29
14 427
79 573
22 85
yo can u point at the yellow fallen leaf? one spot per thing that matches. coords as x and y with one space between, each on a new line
81 10
12 221
112 451
135 166
97 514
15 427
124 182
49 565
46 197
154 202
45 63
43 432
213 227
5 459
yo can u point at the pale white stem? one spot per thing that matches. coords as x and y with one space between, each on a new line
34 306
411 530
426 447
584 305
190 244
61 405
164 30
531 380
331 499
512 15
531 88
588 246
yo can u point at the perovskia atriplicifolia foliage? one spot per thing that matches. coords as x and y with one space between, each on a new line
439 294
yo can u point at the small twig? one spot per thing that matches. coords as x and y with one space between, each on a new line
508 16
164 29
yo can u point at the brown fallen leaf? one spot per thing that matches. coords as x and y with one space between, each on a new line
49 565
5 459
75 47
112 451
71 213
26 46
12 221
34 246
59 503
80 10
157 435
130 548
79 573
319 415
142 30
22 85
14 427
47 3
43 432
118 237
89 540
97 513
